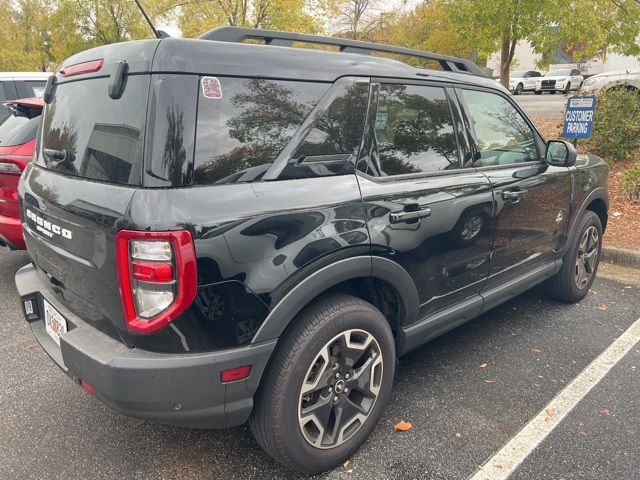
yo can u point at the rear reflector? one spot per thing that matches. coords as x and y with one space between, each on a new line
157 277
234 374
80 68
90 390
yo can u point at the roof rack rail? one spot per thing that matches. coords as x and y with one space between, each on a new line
286 39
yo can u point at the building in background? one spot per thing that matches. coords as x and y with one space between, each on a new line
525 58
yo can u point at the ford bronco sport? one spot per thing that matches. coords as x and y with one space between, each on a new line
223 231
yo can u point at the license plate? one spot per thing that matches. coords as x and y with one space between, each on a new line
54 323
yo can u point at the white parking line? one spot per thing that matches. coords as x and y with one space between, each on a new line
502 464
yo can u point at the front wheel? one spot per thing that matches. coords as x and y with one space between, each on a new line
580 263
567 88
538 92
519 89
326 385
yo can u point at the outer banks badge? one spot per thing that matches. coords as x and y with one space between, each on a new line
211 88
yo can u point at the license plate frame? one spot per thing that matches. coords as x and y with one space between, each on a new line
55 324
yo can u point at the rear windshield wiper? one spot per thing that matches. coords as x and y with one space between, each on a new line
53 158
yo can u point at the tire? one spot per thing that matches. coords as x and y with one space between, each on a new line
519 89
567 88
568 284
538 92
309 355
552 92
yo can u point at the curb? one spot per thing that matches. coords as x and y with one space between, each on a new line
621 256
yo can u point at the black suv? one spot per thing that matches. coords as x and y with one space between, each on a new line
225 231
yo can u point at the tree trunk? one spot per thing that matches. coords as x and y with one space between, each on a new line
507 50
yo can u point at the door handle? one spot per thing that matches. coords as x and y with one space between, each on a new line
513 195
408 216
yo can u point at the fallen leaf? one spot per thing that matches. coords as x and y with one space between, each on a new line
580 424
605 411
350 470
31 346
617 214
497 465
346 464
602 307
402 426
594 292
549 412
489 381
600 324
584 434
536 349
483 365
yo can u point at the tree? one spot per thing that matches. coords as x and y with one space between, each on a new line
81 24
499 24
355 18
195 17
24 38
425 28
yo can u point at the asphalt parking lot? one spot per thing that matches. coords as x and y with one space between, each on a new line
466 395
544 105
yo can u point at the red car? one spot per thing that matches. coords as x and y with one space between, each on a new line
17 144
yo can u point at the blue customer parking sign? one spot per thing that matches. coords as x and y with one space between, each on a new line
578 120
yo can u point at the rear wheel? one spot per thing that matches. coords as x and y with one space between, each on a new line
538 92
580 263
552 92
519 89
326 386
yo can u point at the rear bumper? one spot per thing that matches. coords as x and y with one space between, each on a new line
11 233
175 389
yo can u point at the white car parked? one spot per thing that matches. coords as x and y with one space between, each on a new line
628 78
560 80
523 81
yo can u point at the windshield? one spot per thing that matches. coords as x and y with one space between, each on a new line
517 74
102 137
558 73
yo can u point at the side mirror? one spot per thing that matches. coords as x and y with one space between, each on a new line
561 153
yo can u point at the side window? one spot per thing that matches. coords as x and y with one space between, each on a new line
502 134
333 139
575 72
413 131
3 95
244 123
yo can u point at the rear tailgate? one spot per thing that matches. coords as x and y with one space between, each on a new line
72 209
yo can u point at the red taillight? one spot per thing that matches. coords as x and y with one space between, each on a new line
234 374
13 164
80 68
157 277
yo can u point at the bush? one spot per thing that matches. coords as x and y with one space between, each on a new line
616 129
631 182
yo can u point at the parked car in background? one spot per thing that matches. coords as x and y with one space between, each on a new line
627 78
14 85
17 144
523 81
560 80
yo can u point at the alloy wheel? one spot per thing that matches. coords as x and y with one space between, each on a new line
340 388
587 257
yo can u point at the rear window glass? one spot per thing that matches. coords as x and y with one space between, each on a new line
16 130
243 124
103 137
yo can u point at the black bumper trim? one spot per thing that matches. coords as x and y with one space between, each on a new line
175 389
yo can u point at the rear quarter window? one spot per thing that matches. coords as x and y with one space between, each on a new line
242 128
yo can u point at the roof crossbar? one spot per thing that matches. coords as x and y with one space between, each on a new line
286 39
